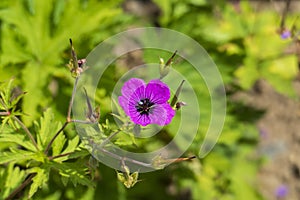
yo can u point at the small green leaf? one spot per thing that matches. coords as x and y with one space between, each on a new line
75 172
10 178
72 144
71 148
125 139
20 139
38 180
16 155
58 144
128 179
46 129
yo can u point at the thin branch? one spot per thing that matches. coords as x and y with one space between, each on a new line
27 132
4 113
21 187
127 159
59 156
82 121
55 136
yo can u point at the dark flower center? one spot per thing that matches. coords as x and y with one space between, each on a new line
144 106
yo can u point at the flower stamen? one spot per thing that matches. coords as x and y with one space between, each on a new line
143 106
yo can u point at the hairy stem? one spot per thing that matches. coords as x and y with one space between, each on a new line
82 121
149 165
27 132
72 99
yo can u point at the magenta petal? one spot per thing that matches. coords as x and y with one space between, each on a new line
162 114
157 91
146 104
124 104
129 88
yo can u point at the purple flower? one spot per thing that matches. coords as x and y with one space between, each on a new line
146 104
281 191
285 34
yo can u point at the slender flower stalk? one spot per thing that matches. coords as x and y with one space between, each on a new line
76 68
72 99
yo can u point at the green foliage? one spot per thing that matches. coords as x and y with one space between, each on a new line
18 148
129 180
46 128
33 48
10 177
34 39
264 55
40 178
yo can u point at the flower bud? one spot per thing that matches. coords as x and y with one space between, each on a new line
164 69
92 115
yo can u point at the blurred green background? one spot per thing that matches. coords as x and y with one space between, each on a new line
242 37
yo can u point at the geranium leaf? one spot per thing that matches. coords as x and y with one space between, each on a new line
75 172
38 180
47 128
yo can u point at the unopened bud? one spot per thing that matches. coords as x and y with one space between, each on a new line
76 66
164 69
81 63
92 115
